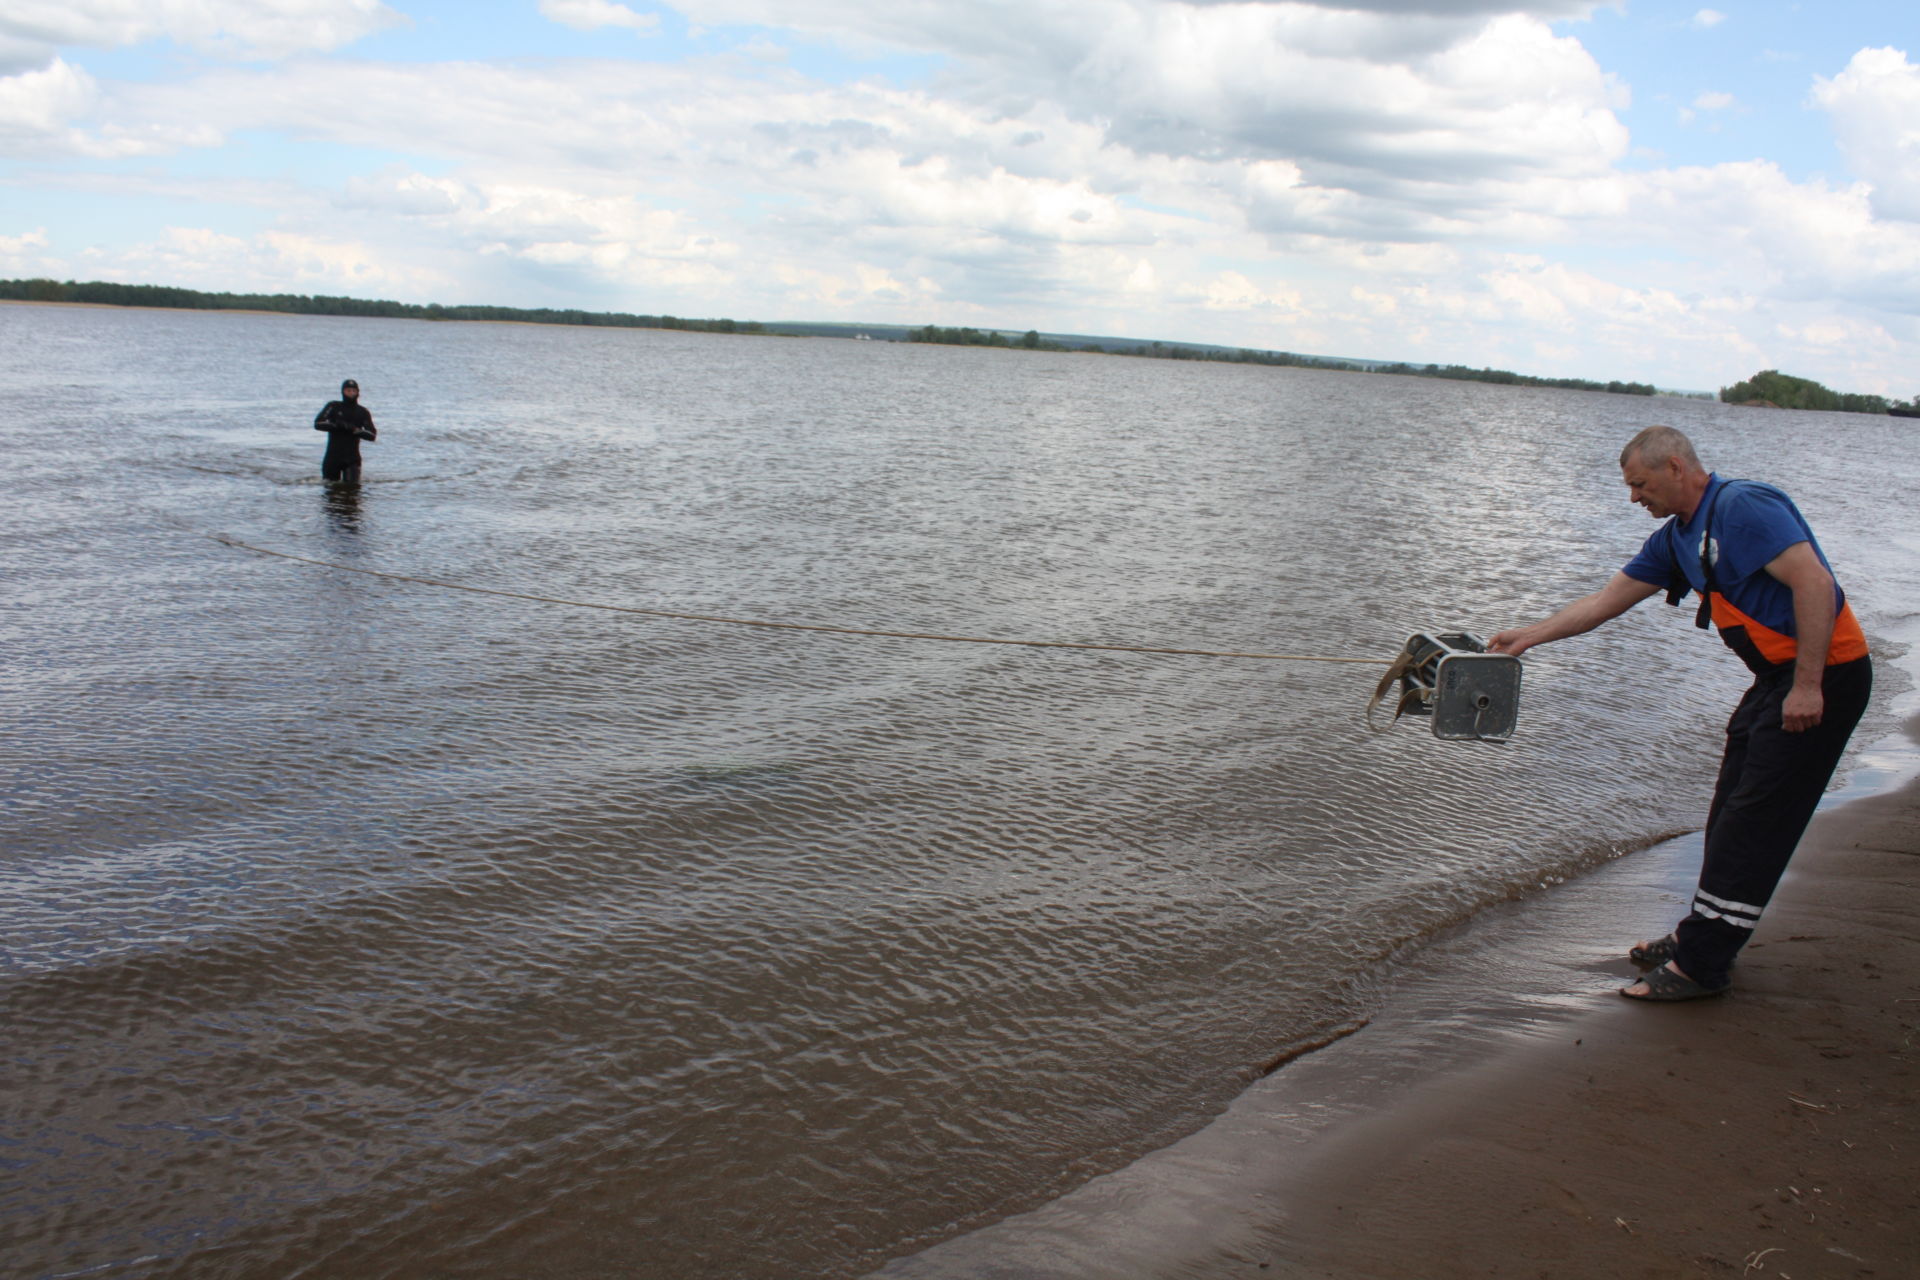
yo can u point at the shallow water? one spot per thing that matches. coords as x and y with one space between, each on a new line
355 926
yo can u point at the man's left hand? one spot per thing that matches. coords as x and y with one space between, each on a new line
1802 709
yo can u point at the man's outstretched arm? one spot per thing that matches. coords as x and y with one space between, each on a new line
1583 615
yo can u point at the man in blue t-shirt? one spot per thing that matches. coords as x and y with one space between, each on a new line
1748 553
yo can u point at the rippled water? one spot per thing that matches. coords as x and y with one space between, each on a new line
361 927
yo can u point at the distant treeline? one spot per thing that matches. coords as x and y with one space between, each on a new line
1783 391
1029 341
1165 351
155 295
159 295
1505 378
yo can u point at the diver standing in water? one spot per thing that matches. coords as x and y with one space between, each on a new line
346 422
1763 580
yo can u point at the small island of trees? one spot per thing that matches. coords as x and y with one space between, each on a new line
1772 389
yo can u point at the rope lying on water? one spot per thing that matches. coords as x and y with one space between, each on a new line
781 626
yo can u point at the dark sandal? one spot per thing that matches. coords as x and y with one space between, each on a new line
1650 955
1663 984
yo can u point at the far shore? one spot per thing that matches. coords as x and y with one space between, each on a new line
316 315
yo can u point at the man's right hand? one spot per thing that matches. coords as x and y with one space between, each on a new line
1512 642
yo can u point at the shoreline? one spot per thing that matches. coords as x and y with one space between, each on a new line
1506 1115
322 315
1769 1132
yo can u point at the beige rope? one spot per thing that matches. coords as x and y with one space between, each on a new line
782 626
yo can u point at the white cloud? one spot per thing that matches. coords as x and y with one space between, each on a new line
1325 122
1233 291
276 261
590 15
1753 230
247 29
1706 18
1553 296
861 174
1875 107
1431 186
1839 333
35 239
24 255
1394 128
37 106
859 290
56 109
1357 112
1017 30
1359 97
17 55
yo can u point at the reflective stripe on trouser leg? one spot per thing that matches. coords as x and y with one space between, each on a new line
1740 915
1770 783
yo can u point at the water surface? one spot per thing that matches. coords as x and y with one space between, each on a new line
358 927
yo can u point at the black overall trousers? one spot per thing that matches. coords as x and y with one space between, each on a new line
1770 783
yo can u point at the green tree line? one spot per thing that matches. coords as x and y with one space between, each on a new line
1506 378
1770 386
159 295
153 295
1167 351
1030 341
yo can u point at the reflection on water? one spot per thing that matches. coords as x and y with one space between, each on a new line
343 508
375 929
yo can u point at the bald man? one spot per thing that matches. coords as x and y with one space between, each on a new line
1748 553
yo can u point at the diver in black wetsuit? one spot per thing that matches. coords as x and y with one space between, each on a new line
346 423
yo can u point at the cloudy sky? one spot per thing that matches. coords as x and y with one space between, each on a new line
1642 190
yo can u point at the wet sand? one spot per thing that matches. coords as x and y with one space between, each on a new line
1770 1132
1505 1115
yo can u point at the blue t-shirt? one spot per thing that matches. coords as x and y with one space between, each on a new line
1752 524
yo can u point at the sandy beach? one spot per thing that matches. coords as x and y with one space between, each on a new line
1506 1116
1769 1132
